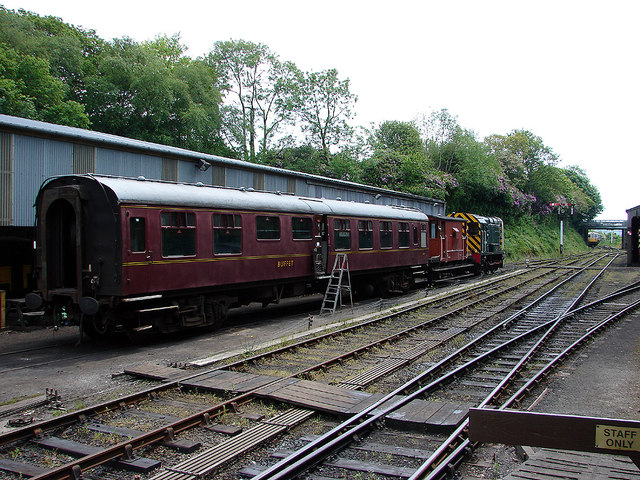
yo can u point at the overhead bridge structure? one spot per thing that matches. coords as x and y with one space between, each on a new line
612 225
607 225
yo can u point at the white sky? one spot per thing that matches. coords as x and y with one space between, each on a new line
566 70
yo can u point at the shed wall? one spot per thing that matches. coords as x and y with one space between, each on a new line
126 164
31 152
35 160
6 179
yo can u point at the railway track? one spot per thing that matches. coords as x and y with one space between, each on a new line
427 336
508 351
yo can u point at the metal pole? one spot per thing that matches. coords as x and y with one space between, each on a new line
561 235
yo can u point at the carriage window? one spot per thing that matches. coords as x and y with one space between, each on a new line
178 234
227 234
301 228
403 235
434 230
416 239
342 234
137 234
268 228
386 235
365 234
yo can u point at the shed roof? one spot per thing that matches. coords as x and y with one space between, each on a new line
88 136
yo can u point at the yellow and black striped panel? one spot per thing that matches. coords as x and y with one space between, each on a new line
474 235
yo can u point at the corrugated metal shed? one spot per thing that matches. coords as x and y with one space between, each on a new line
31 151
6 183
35 160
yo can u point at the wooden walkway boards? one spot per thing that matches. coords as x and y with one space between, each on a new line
156 372
331 399
553 464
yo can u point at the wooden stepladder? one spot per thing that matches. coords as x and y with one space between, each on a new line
338 282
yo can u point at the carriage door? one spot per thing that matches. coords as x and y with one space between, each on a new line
138 254
423 235
321 250
444 248
61 243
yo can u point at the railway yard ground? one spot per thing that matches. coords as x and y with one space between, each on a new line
600 379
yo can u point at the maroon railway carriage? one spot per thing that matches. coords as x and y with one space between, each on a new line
135 254
448 252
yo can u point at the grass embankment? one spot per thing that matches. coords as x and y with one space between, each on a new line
528 238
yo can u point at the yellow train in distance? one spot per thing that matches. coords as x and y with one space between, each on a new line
593 239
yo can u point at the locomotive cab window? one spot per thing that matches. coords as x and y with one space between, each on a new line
403 235
386 235
342 234
434 230
178 234
301 228
137 235
365 234
268 228
227 234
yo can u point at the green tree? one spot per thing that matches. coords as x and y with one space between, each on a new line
323 105
399 162
401 137
548 184
345 166
153 92
441 132
592 200
527 165
28 89
477 173
258 94
70 51
520 153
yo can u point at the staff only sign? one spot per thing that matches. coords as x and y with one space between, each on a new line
618 438
563 432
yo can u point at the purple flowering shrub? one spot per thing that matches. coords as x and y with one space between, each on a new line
514 197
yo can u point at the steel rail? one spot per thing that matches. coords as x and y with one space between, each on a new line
72 417
435 465
340 436
146 439
412 306
125 448
407 331
441 469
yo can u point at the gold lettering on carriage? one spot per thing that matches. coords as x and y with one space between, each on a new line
617 438
285 263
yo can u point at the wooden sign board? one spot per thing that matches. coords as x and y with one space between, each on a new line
563 432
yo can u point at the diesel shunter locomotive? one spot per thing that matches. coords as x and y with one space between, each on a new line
126 254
